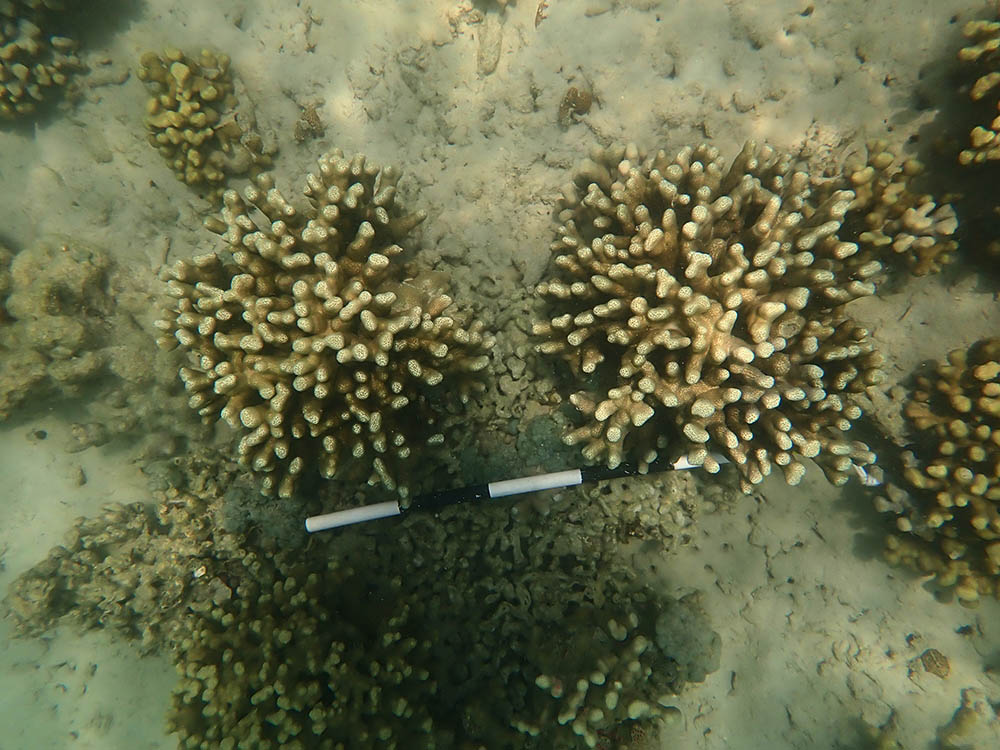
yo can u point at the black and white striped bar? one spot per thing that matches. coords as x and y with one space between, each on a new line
503 488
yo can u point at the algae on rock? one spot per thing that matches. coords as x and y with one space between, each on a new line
54 307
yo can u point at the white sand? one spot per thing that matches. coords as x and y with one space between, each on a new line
68 690
804 659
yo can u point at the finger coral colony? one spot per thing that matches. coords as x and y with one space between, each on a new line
982 58
34 60
707 303
193 120
948 509
279 649
704 307
310 337
984 53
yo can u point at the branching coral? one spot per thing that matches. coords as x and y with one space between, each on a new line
310 337
888 219
708 305
193 120
33 60
133 568
337 650
306 658
948 516
984 53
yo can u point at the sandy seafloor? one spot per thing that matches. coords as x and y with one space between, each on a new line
818 633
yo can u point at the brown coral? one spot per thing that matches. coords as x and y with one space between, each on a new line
707 305
334 649
984 53
888 218
983 56
948 515
193 120
310 337
33 59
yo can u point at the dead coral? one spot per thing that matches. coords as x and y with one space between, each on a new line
707 304
68 326
310 337
53 322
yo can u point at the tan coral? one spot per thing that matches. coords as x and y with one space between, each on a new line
33 60
983 55
706 304
983 52
192 118
281 664
890 220
310 338
948 515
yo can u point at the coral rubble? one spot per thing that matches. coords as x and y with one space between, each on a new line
33 59
310 337
194 122
948 514
705 304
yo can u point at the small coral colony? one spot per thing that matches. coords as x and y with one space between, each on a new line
694 307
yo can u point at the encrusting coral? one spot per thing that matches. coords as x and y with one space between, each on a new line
33 60
948 515
310 336
336 649
194 122
705 305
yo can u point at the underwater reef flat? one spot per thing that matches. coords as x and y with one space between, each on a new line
131 538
